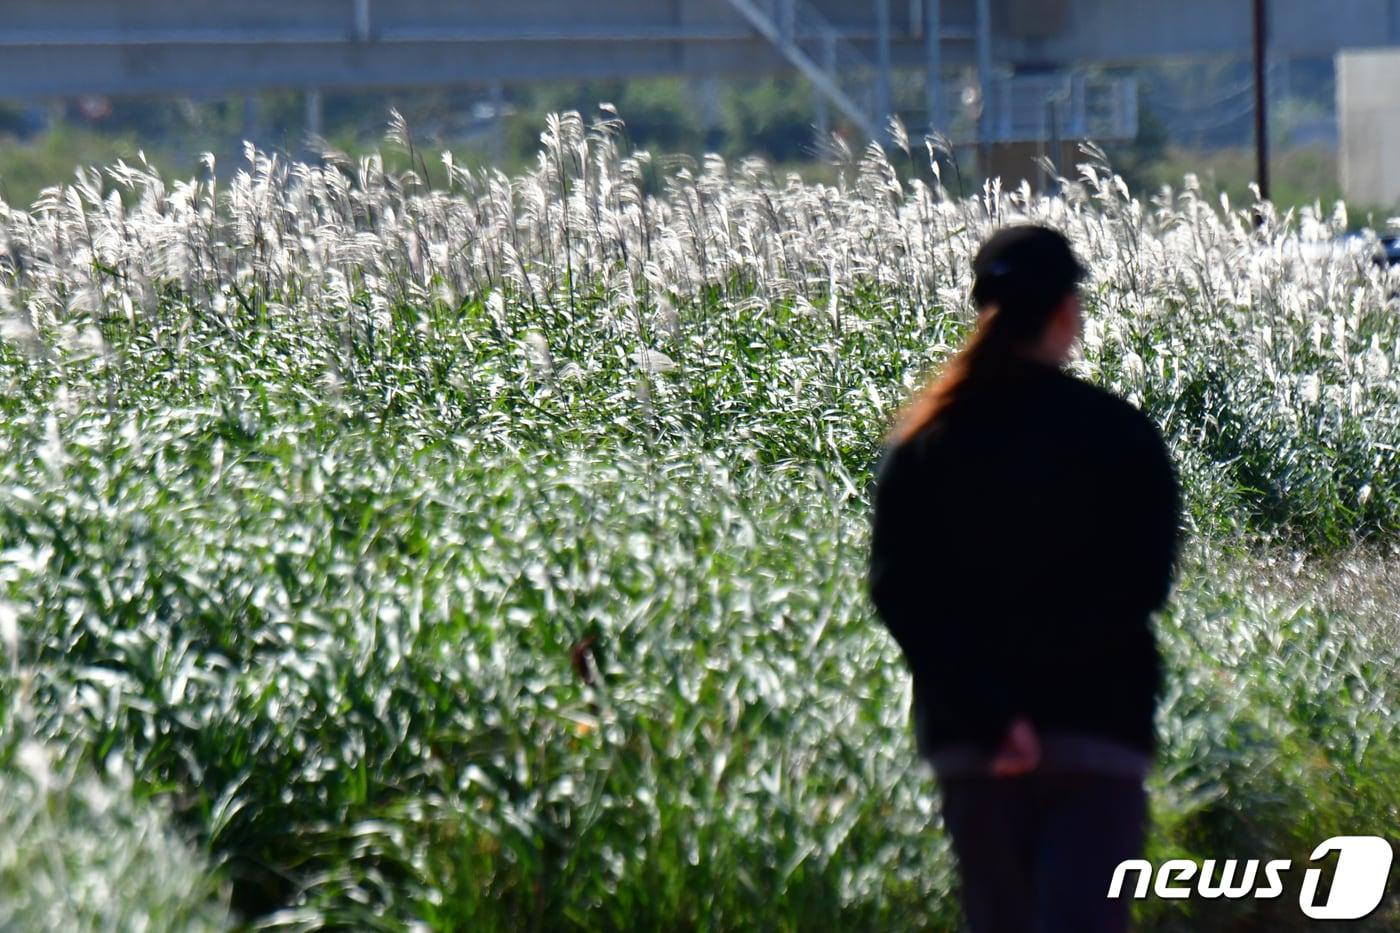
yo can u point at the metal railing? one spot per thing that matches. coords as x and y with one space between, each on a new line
1040 108
1020 108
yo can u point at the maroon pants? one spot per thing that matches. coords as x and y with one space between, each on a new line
1036 853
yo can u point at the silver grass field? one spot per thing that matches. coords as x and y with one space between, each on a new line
430 548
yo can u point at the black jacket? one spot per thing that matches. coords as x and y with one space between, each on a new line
1021 542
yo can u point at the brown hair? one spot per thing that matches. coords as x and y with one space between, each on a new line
1022 274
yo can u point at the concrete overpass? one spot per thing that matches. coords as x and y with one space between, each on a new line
52 48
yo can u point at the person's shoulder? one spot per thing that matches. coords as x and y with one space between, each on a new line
895 482
897 455
1107 403
1113 418
892 459
914 454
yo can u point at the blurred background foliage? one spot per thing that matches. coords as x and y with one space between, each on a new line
1194 117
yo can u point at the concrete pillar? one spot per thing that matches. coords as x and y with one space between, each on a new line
984 80
314 112
884 103
823 105
250 118
787 21
933 62
1368 111
498 123
362 22
705 95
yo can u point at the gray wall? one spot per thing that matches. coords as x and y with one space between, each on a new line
1368 105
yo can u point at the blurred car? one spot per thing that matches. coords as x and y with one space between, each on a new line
1382 252
1390 251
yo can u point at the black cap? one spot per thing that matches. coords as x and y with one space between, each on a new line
1024 260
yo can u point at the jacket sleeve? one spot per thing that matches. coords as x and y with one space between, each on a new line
1148 514
919 601
894 547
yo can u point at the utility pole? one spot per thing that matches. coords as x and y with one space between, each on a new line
1261 96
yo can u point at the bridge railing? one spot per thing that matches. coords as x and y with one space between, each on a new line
1038 108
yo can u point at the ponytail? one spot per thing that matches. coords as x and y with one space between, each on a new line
984 355
1021 275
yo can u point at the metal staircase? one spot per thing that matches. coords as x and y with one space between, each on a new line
834 66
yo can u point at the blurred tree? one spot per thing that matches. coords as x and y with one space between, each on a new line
773 117
13 120
657 112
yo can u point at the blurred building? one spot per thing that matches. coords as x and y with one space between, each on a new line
1016 78
1368 106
